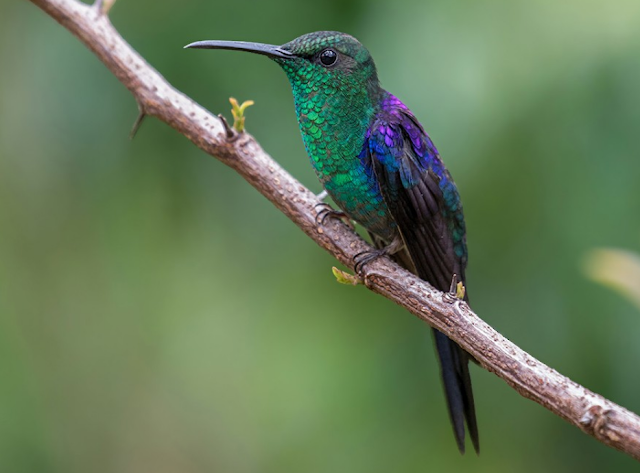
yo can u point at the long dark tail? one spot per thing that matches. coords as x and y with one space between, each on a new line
454 363
454 368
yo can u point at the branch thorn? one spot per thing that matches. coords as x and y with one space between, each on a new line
138 122
456 290
230 133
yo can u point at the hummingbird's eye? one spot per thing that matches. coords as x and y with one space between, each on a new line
328 57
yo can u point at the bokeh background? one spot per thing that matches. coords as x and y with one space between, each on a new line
157 314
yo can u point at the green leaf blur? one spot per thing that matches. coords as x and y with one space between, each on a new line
158 314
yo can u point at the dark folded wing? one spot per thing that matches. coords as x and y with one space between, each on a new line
414 185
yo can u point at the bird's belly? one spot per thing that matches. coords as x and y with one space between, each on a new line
358 195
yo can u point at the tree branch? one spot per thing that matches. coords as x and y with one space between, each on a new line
607 422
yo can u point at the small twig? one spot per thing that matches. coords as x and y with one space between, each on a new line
237 110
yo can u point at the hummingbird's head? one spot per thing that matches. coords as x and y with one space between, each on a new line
324 61
328 58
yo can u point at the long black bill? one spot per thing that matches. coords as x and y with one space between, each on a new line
258 48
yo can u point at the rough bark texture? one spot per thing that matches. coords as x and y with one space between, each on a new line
609 423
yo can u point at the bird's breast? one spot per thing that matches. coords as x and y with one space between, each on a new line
333 129
352 185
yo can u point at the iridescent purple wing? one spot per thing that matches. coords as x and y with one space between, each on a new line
414 185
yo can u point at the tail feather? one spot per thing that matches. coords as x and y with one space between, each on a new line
454 366
454 362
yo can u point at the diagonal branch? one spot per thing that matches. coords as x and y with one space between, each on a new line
609 423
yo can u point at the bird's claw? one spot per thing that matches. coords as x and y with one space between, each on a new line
324 210
327 211
364 258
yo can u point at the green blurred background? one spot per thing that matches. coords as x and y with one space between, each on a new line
158 314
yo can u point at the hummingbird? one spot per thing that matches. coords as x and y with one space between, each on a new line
374 159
